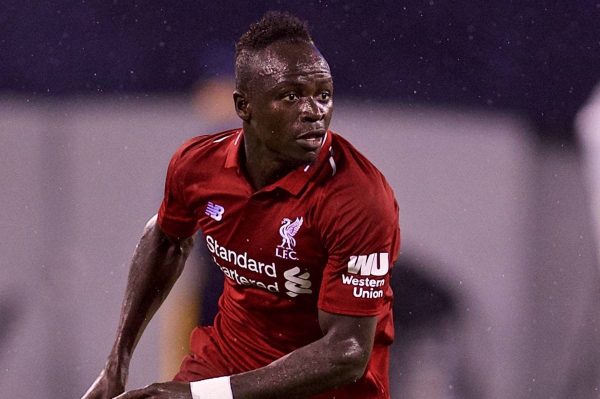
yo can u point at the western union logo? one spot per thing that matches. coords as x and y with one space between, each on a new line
376 264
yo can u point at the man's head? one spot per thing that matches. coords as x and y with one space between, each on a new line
283 89
273 27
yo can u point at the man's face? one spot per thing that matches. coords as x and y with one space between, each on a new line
290 102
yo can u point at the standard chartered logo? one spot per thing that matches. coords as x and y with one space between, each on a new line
297 283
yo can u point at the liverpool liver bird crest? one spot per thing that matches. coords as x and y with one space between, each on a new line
288 230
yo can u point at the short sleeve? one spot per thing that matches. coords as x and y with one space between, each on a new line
174 216
362 236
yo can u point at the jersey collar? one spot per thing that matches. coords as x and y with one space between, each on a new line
294 181
232 159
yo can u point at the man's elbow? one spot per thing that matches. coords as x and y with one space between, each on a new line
180 246
352 360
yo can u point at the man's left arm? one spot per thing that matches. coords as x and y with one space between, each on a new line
338 358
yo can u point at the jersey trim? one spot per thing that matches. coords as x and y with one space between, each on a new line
294 181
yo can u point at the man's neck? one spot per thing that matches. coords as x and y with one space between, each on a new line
262 169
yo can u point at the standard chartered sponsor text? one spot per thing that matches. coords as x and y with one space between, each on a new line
242 260
241 280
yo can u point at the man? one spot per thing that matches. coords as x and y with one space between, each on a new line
302 225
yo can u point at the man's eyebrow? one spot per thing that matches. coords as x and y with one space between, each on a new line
288 82
295 85
284 84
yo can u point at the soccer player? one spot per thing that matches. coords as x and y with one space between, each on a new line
303 226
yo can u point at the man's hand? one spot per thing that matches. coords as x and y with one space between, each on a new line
161 390
105 387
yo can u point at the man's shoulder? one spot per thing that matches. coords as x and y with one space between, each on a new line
353 169
357 182
207 147
198 144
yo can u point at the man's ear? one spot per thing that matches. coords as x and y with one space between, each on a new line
242 108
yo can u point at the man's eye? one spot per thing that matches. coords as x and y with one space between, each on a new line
325 96
291 97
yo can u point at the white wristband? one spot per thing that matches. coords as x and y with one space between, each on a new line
213 388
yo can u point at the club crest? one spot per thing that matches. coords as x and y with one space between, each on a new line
288 229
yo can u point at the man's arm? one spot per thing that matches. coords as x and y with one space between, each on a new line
157 263
338 358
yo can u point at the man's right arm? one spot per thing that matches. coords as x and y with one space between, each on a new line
157 263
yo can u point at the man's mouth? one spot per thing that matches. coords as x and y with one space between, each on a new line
311 140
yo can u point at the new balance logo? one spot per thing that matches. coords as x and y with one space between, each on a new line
297 283
214 211
376 264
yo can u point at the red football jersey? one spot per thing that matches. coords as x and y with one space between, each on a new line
325 237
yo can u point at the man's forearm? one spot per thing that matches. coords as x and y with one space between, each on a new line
157 263
340 357
302 373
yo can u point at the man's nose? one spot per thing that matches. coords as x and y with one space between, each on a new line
312 111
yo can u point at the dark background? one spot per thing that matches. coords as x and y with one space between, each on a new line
538 58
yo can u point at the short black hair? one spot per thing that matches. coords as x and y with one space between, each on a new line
274 26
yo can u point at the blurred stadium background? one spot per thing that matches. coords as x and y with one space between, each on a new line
483 115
